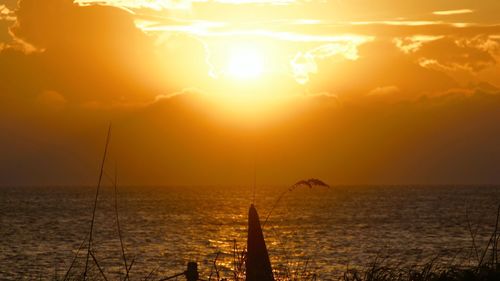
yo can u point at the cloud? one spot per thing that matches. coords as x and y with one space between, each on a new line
92 55
412 44
187 139
55 24
390 29
140 4
380 64
453 12
304 64
443 62
422 41
462 58
51 100
121 63
380 102
161 5
84 52
6 14
383 91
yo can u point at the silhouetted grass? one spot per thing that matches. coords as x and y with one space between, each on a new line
487 268
429 272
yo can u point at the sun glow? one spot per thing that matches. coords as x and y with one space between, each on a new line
245 63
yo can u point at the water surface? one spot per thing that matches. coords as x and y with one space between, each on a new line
164 227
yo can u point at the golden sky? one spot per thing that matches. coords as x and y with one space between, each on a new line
353 92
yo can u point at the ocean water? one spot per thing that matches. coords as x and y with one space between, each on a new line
41 228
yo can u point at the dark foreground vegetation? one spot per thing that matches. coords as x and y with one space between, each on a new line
487 267
429 272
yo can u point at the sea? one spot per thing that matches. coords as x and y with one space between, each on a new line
312 233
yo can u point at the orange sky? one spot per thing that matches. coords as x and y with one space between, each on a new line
353 92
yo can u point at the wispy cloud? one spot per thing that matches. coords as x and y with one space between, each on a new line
412 44
305 63
453 12
6 13
159 5
398 23
273 2
139 4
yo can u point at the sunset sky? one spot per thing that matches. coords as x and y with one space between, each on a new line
201 92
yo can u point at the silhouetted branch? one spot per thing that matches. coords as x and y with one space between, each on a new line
98 266
74 258
309 183
95 202
118 223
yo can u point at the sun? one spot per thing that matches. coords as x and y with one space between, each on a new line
244 63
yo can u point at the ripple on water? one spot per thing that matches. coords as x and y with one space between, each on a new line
163 228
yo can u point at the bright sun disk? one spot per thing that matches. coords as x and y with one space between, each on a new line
245 63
